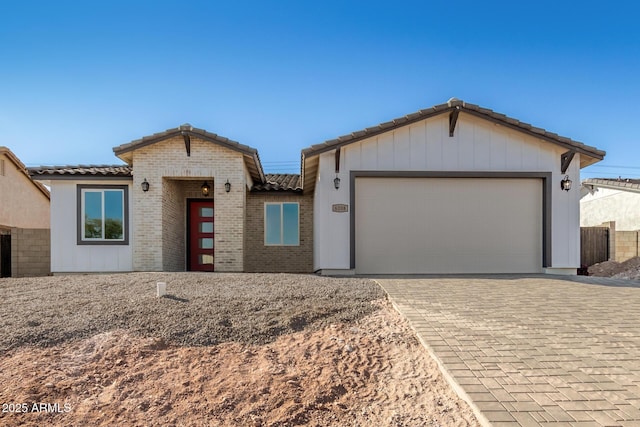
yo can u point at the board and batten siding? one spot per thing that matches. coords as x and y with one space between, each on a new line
477 146
69 257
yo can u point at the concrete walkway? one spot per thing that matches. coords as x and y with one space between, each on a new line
529 351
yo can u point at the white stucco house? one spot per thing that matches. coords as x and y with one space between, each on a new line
455 188
603 200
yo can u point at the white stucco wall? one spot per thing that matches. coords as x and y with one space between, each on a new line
606 204
69 257
477 145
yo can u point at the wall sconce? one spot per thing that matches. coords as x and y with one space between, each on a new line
205 189
145 185
565 184
227 186
336 182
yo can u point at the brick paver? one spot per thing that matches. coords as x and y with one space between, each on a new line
535 350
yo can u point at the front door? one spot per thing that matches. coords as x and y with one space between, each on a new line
201 241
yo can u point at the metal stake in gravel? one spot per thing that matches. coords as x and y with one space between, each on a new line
161 288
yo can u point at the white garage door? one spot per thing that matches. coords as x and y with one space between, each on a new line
448 225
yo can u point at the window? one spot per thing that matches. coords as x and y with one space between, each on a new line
103 214
281 224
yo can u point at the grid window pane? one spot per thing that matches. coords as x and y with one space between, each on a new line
206 243
206 227
205 259
290 223
93 215
273 225
282 224
114 214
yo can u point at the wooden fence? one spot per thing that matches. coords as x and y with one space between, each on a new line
594 245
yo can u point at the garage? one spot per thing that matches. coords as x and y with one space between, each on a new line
438 225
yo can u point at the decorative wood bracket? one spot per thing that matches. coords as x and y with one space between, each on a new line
565 160
338 160
453 119
187 142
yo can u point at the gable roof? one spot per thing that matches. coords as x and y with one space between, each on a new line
81 171
250 154
589 155
623 184
22 168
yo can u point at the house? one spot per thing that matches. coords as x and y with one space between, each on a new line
24 220
454 188
613 203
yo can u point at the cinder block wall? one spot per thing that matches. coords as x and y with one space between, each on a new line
283 259
627 245
30 252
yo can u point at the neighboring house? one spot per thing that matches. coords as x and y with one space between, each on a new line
24 220
455 188
613 203
603 200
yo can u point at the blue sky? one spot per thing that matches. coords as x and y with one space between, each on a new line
80 77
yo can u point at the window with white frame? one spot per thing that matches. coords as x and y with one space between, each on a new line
102 214
281 224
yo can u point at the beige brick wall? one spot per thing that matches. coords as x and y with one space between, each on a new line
30 252
627 245
284 259
159 215
173 228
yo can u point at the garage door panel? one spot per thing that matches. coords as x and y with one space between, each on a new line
448 225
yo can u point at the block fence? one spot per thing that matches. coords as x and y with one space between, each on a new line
30 252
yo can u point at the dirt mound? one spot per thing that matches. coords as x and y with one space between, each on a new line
629 269
372 372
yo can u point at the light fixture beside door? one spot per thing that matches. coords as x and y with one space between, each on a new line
205 189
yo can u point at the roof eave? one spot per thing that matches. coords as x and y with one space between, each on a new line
590 155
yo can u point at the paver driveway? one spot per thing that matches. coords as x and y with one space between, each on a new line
528 351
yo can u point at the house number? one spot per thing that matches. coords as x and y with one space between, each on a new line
340 208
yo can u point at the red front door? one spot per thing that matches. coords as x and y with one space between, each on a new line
201 241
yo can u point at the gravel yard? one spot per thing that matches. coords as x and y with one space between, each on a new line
198 310
229 350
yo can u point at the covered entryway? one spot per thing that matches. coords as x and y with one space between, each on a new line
415 225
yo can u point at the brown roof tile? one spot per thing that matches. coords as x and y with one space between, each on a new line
616 183
280 182
452 104
52 172
251 154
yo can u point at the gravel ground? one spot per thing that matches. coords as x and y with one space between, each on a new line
199 309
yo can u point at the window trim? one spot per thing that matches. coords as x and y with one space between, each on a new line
79 217
281 223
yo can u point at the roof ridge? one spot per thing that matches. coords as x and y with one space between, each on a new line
452 104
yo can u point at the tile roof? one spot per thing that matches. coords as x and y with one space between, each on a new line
51 172
280 182
624 184
188 129
252 160
454 104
